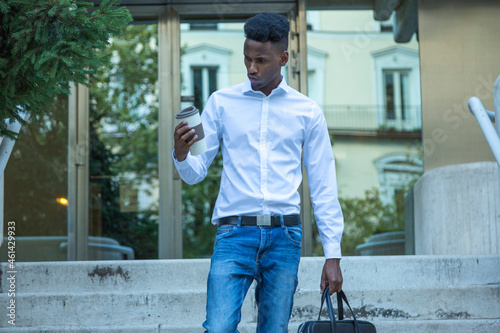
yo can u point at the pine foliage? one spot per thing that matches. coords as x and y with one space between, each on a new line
44 45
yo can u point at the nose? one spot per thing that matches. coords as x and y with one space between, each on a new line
251 68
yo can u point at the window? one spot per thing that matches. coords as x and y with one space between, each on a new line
397 84
204 84
396 172
316 64
204 69
203 26
396 92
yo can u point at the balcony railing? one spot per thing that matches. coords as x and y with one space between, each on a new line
372 118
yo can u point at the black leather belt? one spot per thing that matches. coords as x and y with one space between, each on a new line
262 220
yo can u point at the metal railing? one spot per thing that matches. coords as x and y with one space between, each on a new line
372 118
485 118
6 146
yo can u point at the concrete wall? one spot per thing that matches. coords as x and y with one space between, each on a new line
457 210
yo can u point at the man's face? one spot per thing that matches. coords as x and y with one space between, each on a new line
263 62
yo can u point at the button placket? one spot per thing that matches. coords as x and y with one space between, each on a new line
264 147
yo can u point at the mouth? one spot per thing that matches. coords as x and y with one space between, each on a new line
252 78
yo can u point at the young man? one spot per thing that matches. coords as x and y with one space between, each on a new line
263 127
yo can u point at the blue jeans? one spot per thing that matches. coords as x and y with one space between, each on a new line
271 256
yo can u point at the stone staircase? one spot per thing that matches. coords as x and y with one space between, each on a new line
446 294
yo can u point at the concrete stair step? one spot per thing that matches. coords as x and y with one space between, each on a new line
91 276
386 326
144 308
102 309
473 302
160 275
157 295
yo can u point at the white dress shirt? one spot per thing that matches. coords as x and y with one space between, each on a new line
262 139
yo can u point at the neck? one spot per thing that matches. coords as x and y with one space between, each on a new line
271 86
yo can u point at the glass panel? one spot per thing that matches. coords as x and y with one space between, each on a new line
404 77
123 217
217 58
203 26
204 84
36 188
212 80
359 77
198 88
389 95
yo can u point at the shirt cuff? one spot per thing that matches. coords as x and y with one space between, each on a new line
332 251
181 164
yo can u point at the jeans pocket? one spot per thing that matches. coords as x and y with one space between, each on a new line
294 234
224 230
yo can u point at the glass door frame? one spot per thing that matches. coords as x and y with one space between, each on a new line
78 172
168 18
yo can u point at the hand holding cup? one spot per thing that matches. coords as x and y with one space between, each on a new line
189 135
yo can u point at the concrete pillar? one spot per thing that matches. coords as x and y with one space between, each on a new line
457 211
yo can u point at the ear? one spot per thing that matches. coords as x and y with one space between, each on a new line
283 58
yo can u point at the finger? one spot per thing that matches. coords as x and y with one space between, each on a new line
192 141
181 124
181 130
336 287
332 287
323 282
188 136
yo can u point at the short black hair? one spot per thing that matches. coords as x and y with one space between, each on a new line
270 27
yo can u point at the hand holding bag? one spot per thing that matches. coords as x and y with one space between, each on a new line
336 326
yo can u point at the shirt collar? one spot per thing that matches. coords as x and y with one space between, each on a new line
247 86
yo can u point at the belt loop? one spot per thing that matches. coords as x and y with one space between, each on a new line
239 221
282 220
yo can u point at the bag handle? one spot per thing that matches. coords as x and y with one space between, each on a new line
340 306
329 308
340 297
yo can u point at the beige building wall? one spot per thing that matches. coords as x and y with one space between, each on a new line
230 40
460 58
355 162
346 20
349 38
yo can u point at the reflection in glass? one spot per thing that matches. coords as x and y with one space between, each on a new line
211 60
123 187
370 97
204 84
389 96
403 76
36 187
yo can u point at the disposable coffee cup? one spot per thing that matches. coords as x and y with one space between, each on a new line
192 116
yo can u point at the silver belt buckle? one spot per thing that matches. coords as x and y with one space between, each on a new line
264 220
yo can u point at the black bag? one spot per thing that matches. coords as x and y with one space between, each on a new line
336 326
